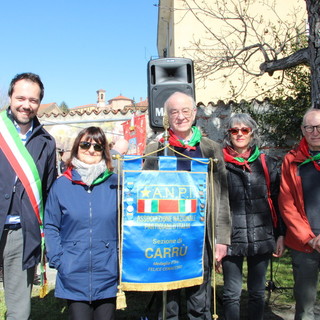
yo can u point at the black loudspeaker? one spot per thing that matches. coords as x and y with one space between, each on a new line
166 76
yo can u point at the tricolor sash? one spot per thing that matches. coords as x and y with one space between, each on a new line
26 170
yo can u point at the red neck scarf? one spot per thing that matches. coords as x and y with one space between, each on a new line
243 159
176 142
304 148
102 177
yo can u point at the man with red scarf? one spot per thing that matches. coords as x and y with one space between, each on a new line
299 204
187 139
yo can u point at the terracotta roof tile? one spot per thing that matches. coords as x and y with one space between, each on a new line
120 97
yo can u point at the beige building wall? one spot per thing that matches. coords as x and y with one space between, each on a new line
179 29
120 103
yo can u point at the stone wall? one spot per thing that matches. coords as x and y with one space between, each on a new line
211 119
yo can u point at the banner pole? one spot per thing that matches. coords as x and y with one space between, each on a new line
166 142
164 305
166 134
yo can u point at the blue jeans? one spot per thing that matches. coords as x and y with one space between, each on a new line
232 275
306 273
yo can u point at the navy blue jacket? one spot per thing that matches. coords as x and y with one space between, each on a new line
41 146
81 238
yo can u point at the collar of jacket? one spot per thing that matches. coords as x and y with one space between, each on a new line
74 176
36 123
298 155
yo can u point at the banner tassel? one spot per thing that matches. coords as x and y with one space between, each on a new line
121 303
43 290
43 274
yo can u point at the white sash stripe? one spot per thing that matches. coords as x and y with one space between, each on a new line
23 163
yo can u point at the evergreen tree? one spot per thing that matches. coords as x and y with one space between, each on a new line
64 107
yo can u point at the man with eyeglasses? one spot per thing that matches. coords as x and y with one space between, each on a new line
187 139
299 202
27 171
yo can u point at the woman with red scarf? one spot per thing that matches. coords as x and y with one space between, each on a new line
254 227
80 227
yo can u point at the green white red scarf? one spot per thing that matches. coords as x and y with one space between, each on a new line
26 170
229 156
102 177
176 142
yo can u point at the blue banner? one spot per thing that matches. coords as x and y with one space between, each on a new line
163 225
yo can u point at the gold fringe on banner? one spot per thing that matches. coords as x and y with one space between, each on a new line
126 286
162 286
121 303
214 284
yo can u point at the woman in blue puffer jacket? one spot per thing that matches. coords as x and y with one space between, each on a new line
81 229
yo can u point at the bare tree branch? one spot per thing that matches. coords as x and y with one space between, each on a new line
244 41
298 58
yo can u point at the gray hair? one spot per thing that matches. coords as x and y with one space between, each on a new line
177 93
247 121
312 109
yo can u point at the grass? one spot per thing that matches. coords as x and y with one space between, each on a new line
139 304
279 288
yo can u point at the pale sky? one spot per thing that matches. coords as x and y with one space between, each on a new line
79 46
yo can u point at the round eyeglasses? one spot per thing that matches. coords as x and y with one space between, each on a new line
186 112
310 129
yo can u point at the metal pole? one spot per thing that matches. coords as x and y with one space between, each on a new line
166 134
164 305
166 142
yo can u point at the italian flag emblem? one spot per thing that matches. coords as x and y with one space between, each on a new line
167 206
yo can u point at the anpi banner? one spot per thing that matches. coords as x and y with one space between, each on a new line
163 225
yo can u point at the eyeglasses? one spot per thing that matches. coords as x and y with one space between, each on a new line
185 112
86 145
310 129
235 131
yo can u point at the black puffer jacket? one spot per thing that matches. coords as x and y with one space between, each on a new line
252 228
